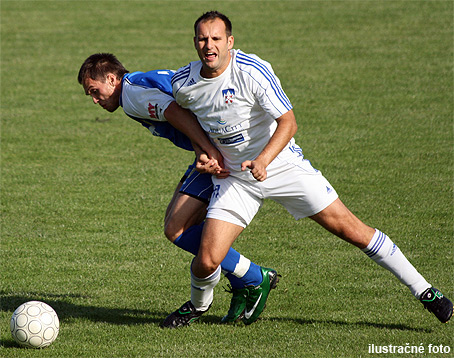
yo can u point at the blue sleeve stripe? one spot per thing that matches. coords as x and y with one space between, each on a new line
181 74
249 61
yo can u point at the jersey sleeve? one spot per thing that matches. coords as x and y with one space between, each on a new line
264 84
146 103
179 80
145 97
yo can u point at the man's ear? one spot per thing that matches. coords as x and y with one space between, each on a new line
111 79
230 41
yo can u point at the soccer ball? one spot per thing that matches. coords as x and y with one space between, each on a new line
34 324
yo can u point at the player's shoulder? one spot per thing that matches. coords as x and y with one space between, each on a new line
182 75
251 64
159 79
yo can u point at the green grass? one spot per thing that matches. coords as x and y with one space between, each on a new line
83 192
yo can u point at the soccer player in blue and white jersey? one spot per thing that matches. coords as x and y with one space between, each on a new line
240 103
147 98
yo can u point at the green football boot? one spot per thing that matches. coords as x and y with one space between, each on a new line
237 305
257 296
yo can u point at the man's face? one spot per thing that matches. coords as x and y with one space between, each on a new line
213 47
105 92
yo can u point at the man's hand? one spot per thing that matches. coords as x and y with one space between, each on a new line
258 169
206 165
286 129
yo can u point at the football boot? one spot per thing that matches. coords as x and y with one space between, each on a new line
434 301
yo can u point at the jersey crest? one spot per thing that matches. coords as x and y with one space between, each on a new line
229 95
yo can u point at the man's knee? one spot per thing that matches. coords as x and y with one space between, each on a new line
172 231
204 266
340 221
179 220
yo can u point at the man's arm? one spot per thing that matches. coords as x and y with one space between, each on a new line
206 165
286 129
209 159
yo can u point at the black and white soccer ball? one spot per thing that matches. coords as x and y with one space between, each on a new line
34 324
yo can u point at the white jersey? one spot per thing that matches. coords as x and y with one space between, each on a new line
238 108
145 96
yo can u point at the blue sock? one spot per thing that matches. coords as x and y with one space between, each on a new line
253 276
189 240
239 270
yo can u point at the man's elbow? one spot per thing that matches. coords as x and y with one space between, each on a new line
294 128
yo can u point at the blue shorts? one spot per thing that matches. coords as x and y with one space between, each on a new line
197 185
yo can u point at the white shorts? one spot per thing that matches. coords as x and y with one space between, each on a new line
300 188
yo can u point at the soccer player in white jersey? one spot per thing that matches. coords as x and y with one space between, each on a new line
147 98
240 103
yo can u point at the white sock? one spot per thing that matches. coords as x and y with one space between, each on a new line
385 253
202 289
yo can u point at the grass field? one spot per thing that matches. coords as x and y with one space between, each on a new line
83 192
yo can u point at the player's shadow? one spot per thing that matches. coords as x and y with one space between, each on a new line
126 316
215 320
391 326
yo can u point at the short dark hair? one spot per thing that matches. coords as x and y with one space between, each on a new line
98 65
212 15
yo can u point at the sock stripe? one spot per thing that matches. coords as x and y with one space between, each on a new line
385 253
377 245
242 267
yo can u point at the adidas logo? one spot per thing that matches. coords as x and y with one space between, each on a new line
191 82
